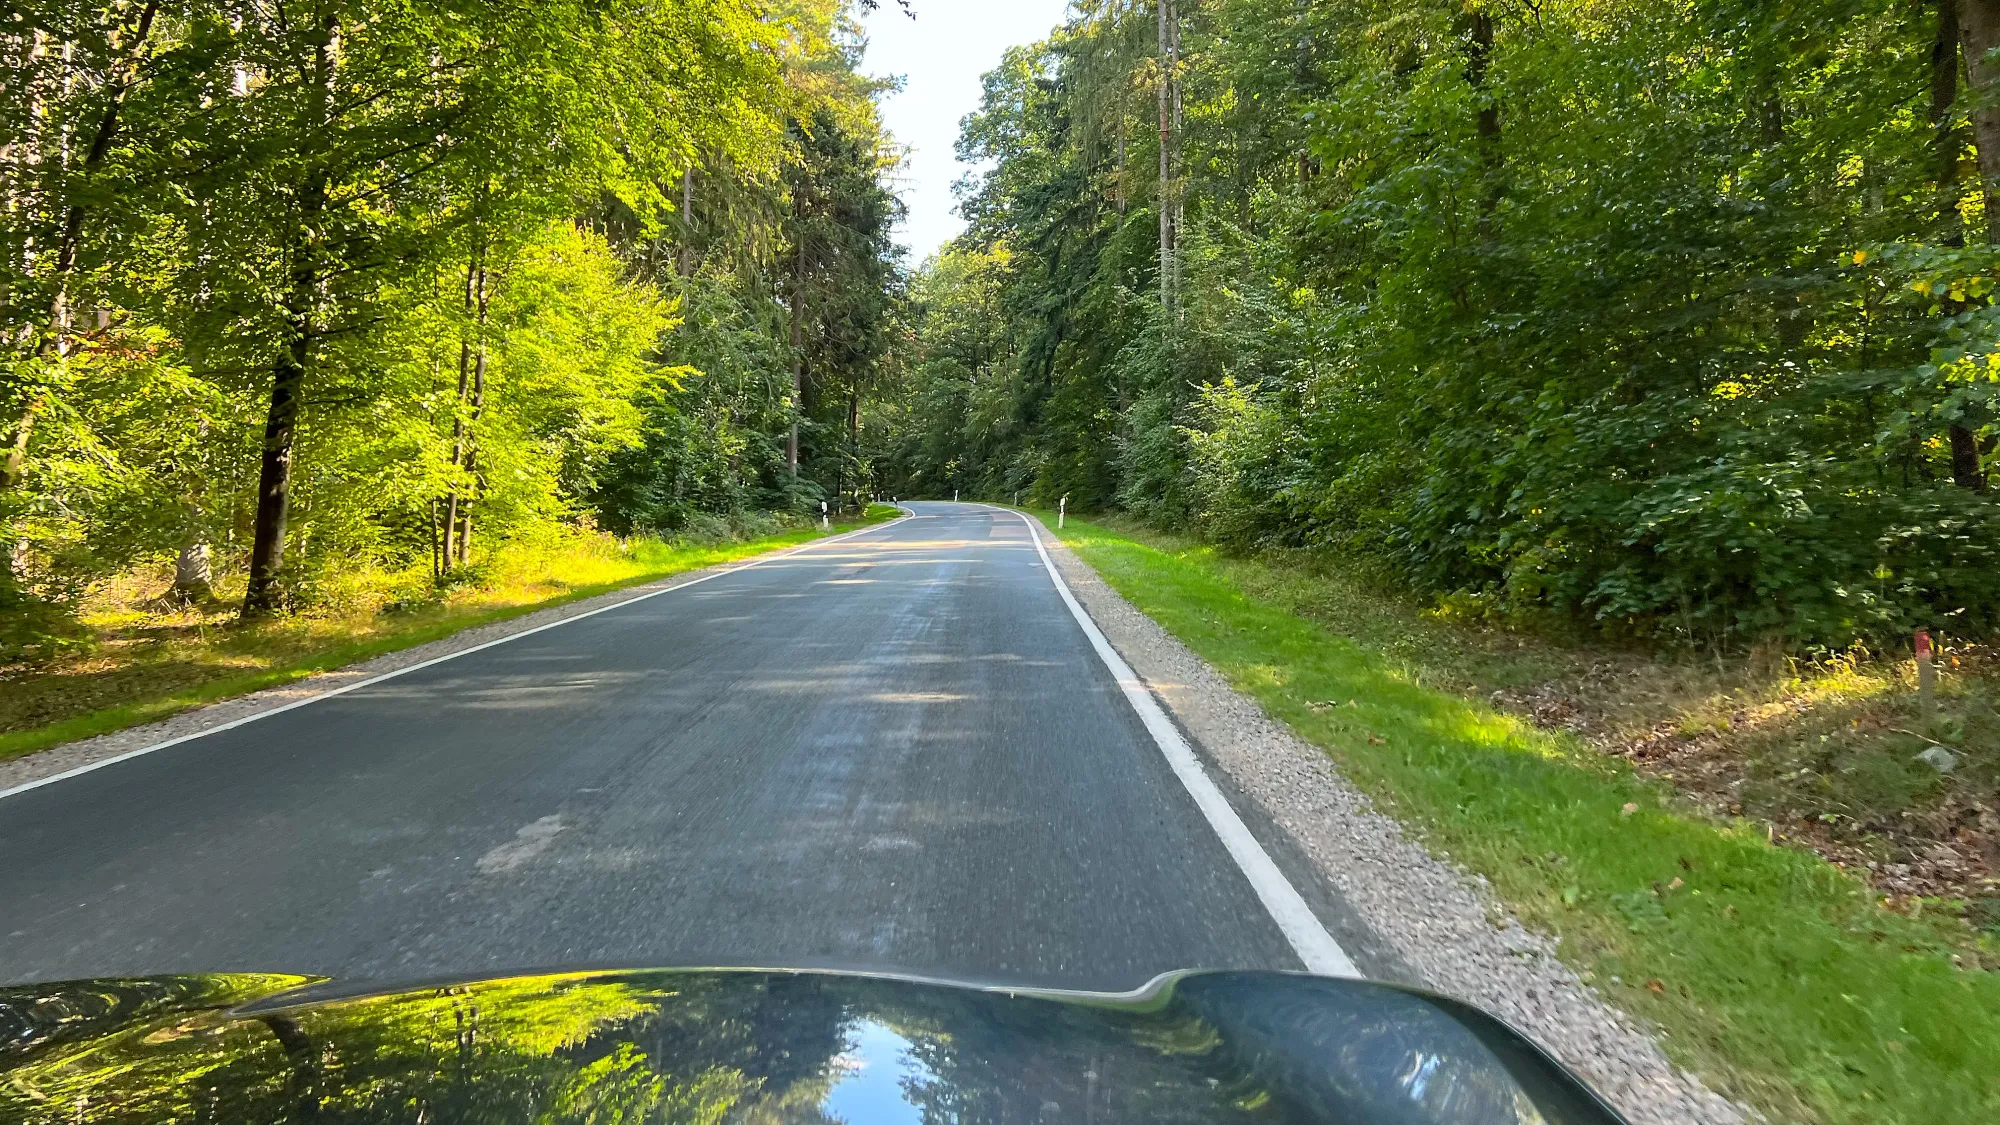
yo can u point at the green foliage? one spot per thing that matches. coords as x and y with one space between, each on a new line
1663 317
331 285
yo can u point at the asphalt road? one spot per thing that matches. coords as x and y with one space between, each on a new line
897 752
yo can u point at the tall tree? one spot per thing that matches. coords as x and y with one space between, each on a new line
1170 113
68 75
307 285
1655 315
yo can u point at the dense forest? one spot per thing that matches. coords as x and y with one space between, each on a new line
296 288
1673 318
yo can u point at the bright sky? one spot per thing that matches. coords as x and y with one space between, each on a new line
941 54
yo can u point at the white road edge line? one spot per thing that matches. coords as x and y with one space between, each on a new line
358 685
1314 946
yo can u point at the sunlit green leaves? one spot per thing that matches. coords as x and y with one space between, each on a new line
1676 349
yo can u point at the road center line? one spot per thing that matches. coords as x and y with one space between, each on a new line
372 680
1301 927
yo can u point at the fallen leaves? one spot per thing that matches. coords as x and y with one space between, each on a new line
1736 753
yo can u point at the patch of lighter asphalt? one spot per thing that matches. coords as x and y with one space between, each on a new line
1443 921
530 841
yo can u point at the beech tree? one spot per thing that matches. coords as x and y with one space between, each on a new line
297 287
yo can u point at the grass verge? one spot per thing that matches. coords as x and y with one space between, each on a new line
1774 974
147 671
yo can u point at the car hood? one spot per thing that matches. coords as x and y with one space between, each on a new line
711 1046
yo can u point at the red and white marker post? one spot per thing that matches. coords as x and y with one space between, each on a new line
1926 671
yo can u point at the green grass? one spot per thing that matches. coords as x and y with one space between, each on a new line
159 677
1772 973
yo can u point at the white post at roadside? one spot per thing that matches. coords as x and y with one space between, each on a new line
1926 673
954 495
824 525
1062 512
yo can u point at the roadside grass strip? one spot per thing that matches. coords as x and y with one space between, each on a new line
1769 971
335 645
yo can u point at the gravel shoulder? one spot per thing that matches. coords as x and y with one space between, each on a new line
1439 921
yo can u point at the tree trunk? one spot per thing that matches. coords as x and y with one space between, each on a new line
1944 99
1118 183
450 553
1179 178
471 387
14 466
1979 36
1478 61
1169 41
54 336
1966 471
465 518
193 578
478 410
686 256
798 356
854 442
288 374
274 477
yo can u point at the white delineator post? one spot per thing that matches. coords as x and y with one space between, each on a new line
1062 512
824 525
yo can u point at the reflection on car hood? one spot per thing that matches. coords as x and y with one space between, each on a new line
714 1046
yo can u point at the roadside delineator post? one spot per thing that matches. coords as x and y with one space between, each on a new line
1926 673
823 524
954 495
1062 512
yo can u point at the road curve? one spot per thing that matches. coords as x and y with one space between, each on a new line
897 751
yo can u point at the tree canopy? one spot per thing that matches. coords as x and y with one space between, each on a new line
1674 318
292 286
